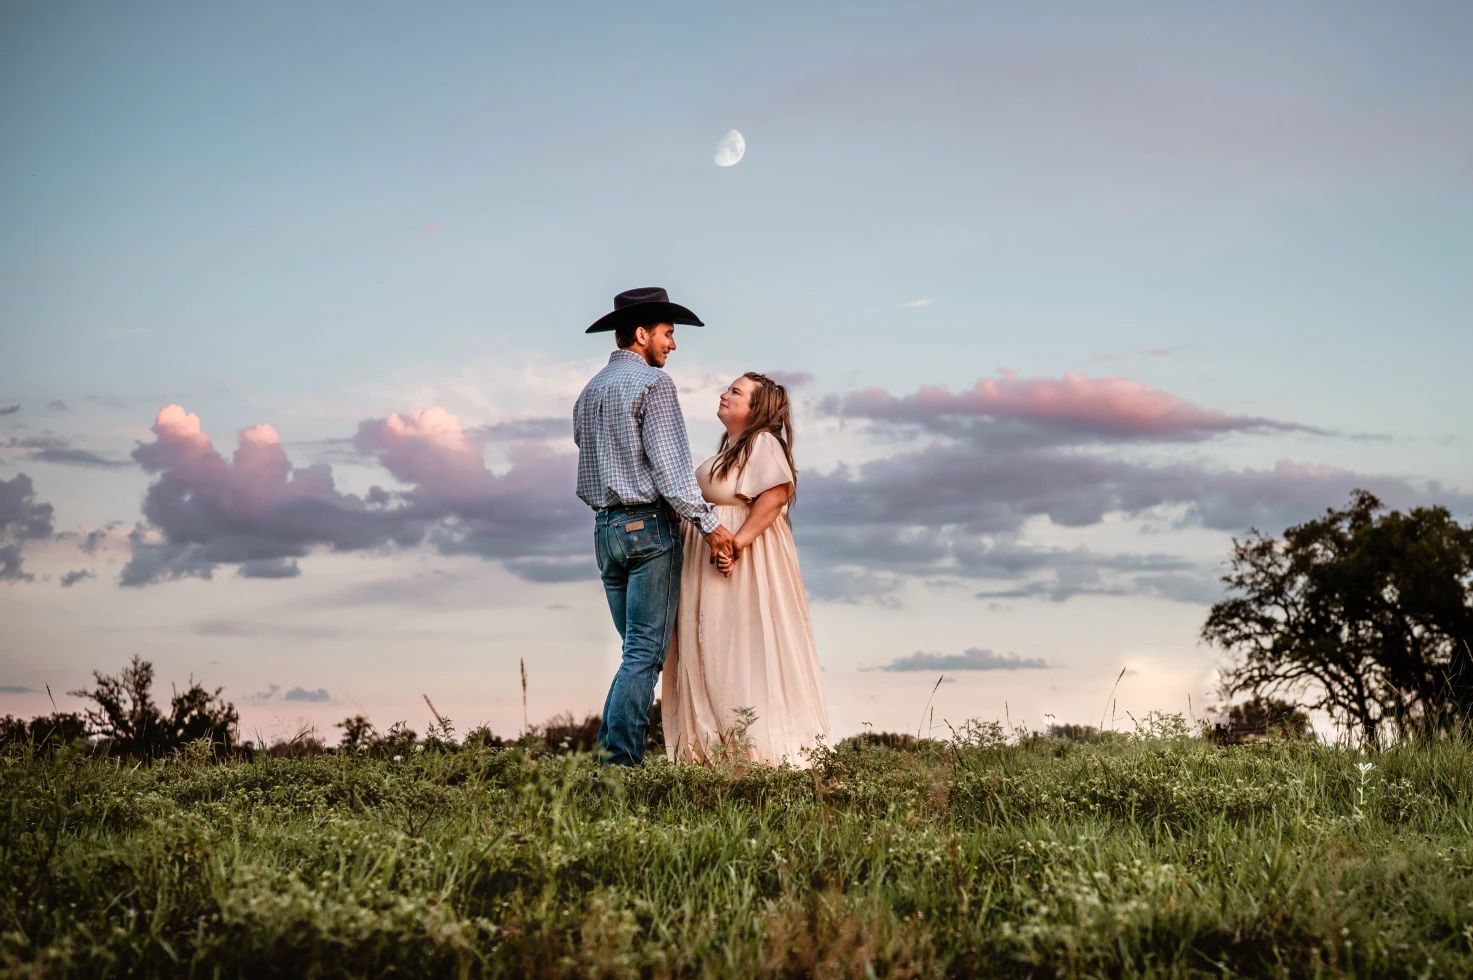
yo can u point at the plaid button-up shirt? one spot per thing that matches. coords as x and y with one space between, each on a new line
632 446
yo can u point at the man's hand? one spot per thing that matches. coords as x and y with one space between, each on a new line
721 542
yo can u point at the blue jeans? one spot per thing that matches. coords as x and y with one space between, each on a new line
639 550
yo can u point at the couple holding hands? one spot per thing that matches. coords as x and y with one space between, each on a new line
698 563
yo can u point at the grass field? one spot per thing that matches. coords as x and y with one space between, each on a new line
1149 855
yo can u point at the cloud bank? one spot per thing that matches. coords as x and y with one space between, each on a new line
956 509
1011 450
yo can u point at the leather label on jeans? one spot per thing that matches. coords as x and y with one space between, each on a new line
634 526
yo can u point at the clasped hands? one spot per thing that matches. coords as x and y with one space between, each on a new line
726 548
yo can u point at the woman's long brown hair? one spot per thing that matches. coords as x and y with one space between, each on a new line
771 411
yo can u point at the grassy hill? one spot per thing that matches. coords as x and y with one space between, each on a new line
1151 855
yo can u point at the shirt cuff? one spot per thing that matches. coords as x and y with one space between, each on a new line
708 522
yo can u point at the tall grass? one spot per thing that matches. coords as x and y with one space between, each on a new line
1153 855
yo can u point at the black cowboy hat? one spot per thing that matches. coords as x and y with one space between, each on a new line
640 307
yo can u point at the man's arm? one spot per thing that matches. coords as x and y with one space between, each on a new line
666 447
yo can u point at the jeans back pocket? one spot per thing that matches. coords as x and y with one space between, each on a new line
642 536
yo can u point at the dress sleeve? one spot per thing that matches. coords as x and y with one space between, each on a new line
766 468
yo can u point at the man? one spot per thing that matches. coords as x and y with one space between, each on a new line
634 470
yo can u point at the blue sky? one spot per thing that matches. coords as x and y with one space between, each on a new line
314 216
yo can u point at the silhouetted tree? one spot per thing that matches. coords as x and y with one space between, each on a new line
133 725
1366 614
359 734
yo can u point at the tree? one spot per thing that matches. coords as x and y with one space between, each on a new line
134 726
358 734
1367 614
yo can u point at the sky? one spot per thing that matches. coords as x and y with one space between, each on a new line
292 301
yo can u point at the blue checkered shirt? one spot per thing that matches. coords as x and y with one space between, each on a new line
632 447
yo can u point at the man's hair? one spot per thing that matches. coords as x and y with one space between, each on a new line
624 336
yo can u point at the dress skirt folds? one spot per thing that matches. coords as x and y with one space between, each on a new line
742 678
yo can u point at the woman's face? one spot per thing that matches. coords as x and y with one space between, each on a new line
736 404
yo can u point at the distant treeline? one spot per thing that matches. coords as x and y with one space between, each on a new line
126 722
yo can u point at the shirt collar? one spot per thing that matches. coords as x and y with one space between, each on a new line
627 355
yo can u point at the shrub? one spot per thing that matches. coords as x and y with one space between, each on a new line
130 724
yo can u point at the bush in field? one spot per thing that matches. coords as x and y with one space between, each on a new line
58 729
565 734
131 725
1271 717
1074 733
898 741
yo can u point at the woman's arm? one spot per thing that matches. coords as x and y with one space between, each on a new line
764 511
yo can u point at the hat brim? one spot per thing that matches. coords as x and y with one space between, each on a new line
639 314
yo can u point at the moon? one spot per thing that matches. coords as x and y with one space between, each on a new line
731 149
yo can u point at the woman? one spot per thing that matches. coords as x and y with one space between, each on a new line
742 677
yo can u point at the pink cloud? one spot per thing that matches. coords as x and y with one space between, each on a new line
526 511
260 513
1105 407
426 447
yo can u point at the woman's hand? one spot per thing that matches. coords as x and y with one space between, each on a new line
765 510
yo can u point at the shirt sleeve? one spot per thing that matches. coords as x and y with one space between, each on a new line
766 467
667 448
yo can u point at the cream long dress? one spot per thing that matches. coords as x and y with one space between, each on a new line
744 641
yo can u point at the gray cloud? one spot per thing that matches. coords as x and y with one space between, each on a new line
53 449
78 457
958 510
14 689
9 409
58 406
525 430
974 658
266 695
269 568
10 565
94 539
580 568
991 492
826 581
73 577
302 694
250 629
23 519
